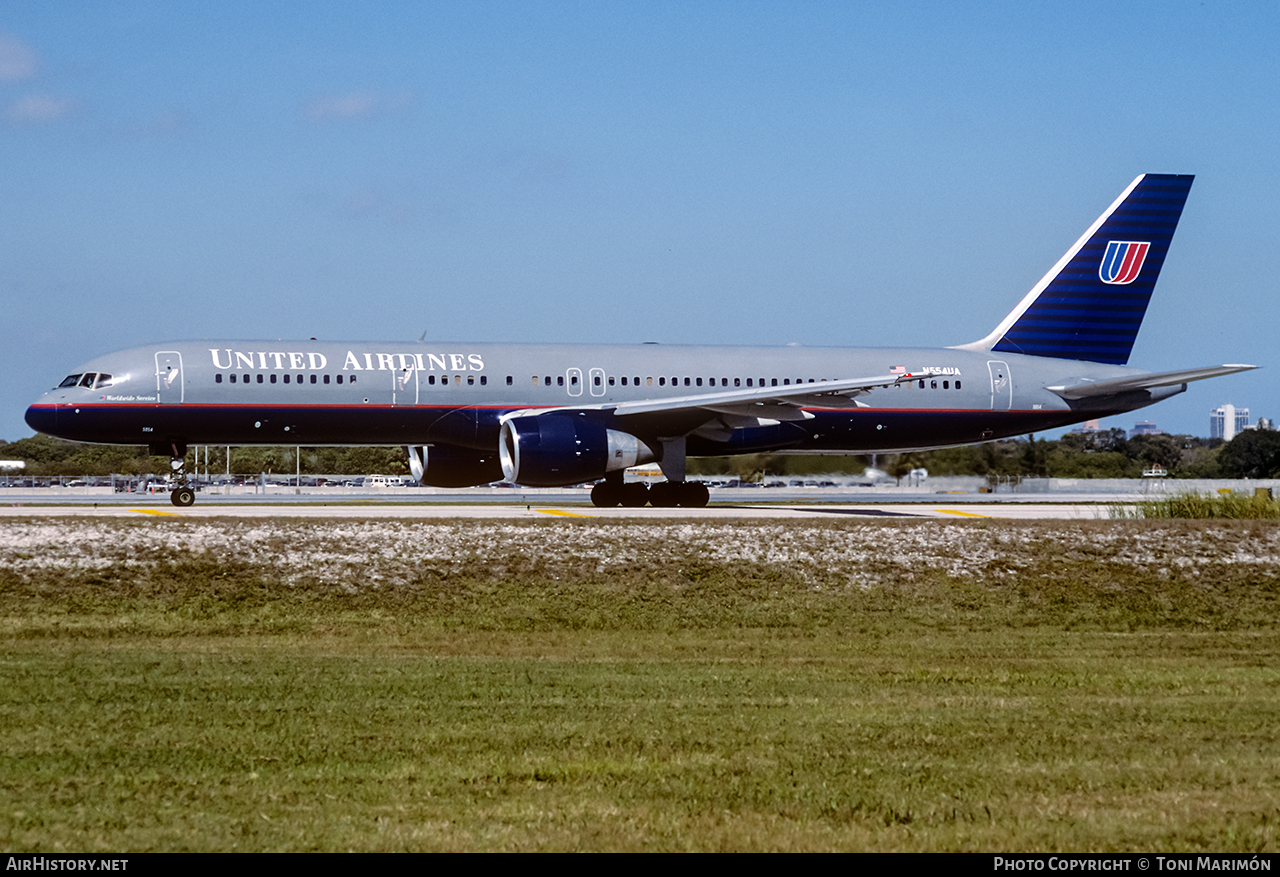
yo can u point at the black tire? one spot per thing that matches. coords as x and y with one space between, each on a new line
635 496
694 495
605 495
664 495
183 497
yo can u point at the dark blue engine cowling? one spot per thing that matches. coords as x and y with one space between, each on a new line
450 466
553 450
556 450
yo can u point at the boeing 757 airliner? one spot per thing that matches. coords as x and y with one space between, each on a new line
552 415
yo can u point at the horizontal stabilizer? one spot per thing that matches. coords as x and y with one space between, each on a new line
1116 386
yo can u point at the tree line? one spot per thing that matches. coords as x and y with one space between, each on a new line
1098 454
50 456
1105 453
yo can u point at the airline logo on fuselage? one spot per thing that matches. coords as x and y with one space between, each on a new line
1122 262
293 360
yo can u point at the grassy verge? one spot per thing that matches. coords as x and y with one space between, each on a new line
1200 506
1090 686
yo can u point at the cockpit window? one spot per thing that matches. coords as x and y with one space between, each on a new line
87 380
70 381
103 381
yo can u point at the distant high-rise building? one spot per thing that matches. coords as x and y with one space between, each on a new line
1087 426
1144 427
1227 422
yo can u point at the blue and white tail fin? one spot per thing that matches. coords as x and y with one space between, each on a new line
1090 305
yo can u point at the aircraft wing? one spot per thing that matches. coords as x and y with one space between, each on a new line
679 415
832 394
1127 384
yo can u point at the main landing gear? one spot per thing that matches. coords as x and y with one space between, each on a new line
182 495
612 493
675 492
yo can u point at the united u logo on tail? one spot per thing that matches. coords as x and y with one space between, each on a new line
1122 262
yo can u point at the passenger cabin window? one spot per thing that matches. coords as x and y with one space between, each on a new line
217 379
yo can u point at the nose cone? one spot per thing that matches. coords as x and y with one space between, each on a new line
43 417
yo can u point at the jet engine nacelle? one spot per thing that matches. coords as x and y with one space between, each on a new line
555 450
451 466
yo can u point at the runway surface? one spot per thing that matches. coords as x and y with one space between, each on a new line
543 511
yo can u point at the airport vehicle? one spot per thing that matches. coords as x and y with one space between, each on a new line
554 415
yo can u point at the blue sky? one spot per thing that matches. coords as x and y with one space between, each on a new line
834 174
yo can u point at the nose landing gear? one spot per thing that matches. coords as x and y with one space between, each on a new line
182 495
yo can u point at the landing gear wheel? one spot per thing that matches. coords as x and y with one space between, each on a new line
681 494
606 495
694 495
183 497
664 495
635 496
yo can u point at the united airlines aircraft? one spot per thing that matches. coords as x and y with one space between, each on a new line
553 415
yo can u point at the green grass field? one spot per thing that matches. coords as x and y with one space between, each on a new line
233 685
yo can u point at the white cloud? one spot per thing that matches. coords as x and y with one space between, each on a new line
35 109
17 59
355 105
